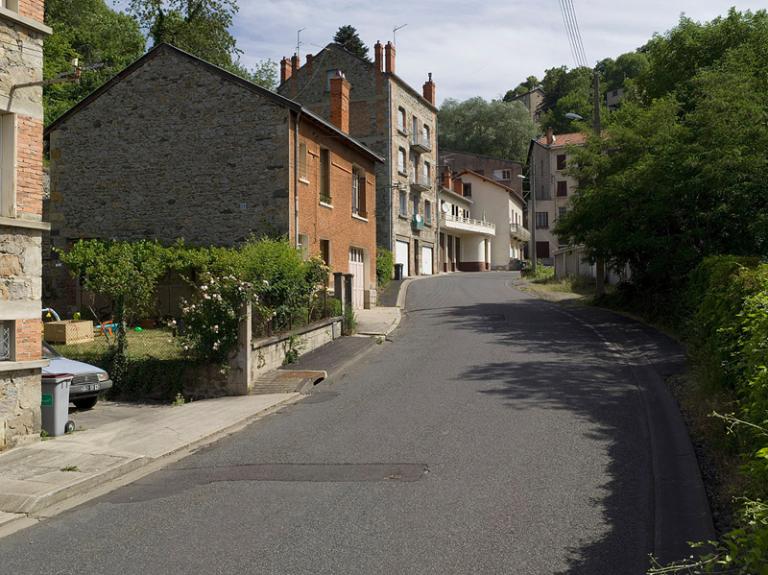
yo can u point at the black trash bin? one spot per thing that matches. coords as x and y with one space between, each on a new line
398 272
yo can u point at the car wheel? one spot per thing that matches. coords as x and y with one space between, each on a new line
85 403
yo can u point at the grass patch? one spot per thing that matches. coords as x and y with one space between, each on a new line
146 344
70 468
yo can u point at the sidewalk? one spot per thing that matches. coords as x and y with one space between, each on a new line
37 476
119 442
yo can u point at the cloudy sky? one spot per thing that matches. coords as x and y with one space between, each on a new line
472 48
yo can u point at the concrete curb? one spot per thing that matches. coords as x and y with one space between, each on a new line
681 510
102 482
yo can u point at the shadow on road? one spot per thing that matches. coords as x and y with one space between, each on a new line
561 364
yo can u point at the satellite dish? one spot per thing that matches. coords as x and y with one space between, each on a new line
445 208
419 218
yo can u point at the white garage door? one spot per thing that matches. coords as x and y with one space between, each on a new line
401 256
426 261
357 267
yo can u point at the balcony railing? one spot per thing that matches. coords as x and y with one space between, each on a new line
518 232
420 143
421 183
452 222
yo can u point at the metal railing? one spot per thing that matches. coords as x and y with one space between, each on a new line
420 140
450 218
520 232
421 181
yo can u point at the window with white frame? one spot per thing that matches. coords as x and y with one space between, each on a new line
6 341
401 119
426 173
8 165
426 132
10 4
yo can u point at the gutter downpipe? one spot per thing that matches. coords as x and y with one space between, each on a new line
389 187
296 178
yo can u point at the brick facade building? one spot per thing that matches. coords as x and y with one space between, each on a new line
174 147
397 122
21 226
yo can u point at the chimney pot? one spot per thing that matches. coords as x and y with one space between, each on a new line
458 186
340 101
429 91
389 58
285 70
378 58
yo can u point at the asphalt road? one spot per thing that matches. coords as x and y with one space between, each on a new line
495 433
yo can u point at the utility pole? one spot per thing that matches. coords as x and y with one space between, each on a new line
600 262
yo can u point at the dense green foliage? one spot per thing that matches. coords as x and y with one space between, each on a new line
284 290
348 37
680 175
385 265
127 274
729 337
104 42
496 128
530 83
201 27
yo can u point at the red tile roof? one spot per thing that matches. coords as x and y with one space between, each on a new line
573 139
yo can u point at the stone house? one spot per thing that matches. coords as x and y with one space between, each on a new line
552 188
21 227
505 172
533 100
175 148
397 122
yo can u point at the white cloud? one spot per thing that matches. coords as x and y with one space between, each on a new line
471 48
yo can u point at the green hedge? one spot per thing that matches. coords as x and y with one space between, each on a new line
727 301
385 265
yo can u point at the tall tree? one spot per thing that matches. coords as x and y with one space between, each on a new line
682 175
348 37
201 27
496 128
104 41
530 83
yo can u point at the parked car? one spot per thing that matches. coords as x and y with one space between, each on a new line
88 380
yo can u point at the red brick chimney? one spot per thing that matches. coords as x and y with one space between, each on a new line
446 183
429 90
285 70
378 55
294 63
550 136
458 186
340 102
389 58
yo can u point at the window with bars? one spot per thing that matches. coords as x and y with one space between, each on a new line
6 340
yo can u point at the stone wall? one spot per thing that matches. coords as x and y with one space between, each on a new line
19 408
21 60
173 150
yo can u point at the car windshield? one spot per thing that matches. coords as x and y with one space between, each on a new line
49 352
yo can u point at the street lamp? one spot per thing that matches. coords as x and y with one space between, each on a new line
532 217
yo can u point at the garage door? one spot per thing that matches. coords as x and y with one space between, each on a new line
357 268
401 257
426 261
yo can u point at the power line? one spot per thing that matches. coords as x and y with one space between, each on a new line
566 24
569 4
